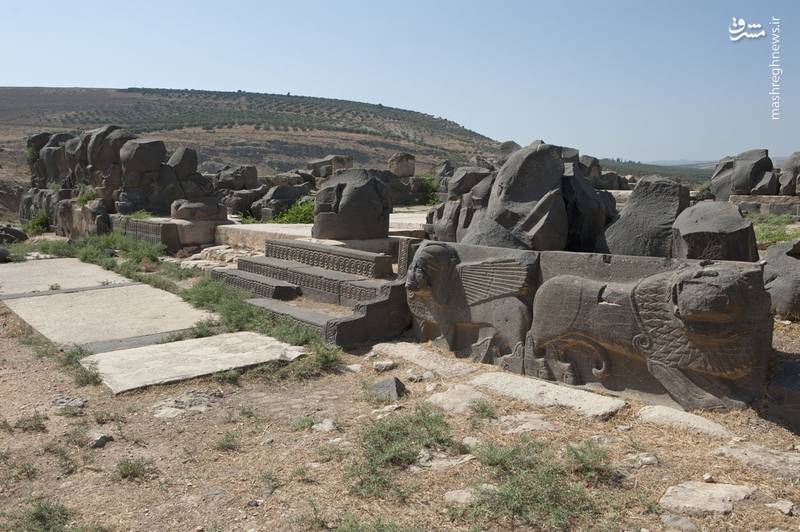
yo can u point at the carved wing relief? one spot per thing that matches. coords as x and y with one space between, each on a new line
488 280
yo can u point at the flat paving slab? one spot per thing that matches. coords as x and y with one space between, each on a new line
426 357
540 393
53 274
92 316
129 369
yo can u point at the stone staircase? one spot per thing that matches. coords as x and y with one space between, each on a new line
349 296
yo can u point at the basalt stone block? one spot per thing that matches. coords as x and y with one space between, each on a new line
644 226
184 162
352 205
481 161
105 146
203 209
700 332
783 392
12 235
716 231
391 389
329 164
140 156
464 178
241 201
237 178
767 186
526 208
446 169
402 164
787 184
782 278
697 331
739 174
506 149
475 300
591 167
37 141
586 214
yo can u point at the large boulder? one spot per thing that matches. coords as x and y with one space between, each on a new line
37 141
787 184
58 140
198 209
791 168
239 201
644 226
104 147
352 205
480 160
782 278
184 162
768 186
526 207
609 180
586 212
402 164
139 156
464 178
10 234
237 178
54 161
506 149
714 230
446 169
739 174
591 167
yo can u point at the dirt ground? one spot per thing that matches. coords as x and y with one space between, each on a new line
283 477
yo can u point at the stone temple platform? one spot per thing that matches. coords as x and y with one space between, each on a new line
73 303
404 222
768 204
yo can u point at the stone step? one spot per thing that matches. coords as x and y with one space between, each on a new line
330 286
255 284
335 258
317 321
381 318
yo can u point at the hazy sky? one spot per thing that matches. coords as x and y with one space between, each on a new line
634 79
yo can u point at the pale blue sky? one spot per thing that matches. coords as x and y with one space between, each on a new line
634 79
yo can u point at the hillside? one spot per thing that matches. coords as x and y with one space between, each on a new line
683 174
281 130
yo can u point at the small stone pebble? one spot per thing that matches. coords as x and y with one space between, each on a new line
326 425
708 477
98 441
383 365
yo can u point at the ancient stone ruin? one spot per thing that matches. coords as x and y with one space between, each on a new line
527 262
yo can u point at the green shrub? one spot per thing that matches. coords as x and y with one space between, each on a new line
34 423
531 487
85 197
31 155
393 443
133 468
37 225
299 213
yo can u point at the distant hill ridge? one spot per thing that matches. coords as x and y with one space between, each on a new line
145 109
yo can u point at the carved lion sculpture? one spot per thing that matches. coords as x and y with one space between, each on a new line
703 332
479 307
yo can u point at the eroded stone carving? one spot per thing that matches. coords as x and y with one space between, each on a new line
479 307
703 332
698 331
